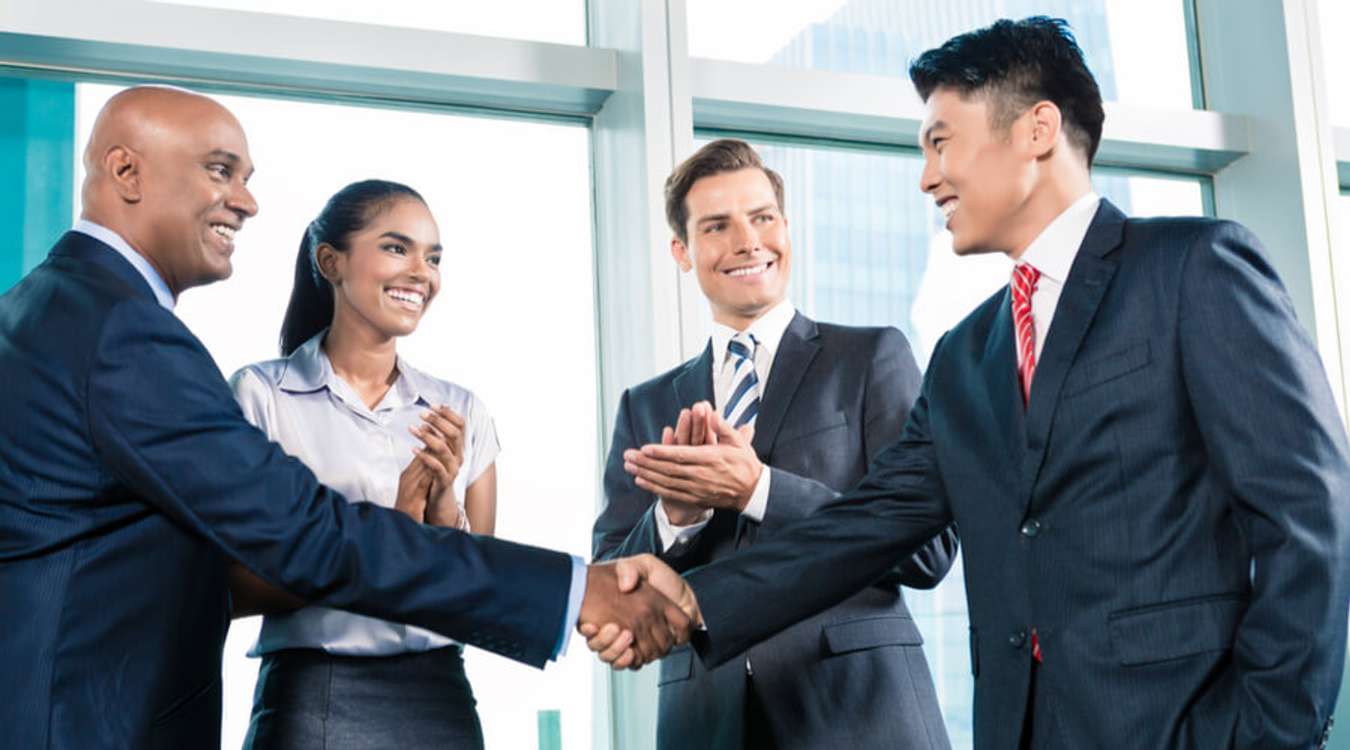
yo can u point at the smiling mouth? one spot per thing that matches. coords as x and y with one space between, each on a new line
750 270
408 297
224 230
948 207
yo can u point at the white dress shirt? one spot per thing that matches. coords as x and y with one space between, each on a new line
1052 253
768 331
303 406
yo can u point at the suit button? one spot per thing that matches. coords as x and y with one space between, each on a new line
1031 528
1017 639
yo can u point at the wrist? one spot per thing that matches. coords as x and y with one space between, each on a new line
681 514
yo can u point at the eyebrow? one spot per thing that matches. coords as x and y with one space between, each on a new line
725 216
405 239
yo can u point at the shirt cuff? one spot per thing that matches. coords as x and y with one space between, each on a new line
671 534
575 595
759 499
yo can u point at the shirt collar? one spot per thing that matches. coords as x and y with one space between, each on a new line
309 369
768 330
1053 250
114 240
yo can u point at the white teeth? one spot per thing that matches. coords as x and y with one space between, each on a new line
416 298
224 231
750 271
949 208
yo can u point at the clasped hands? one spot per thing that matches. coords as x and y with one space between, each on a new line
426 487
702 463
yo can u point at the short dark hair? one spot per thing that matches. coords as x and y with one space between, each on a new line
1016 64
349 211
723 155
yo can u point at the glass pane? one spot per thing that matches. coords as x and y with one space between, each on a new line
513 247
560 21
1137 48
870 249
1334 18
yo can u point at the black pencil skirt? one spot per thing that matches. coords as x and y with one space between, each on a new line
311 699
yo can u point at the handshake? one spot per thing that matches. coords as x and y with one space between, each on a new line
636 609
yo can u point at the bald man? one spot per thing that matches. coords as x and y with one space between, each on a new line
129 479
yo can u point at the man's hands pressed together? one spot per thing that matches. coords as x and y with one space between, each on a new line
635 610
702 463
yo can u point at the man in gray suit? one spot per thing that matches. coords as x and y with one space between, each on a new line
1135 438
785 405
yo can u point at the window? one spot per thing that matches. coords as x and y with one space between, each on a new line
1138 49
563 22
512 199
870 249
1334 18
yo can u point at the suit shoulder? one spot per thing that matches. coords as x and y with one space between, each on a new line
661 383
879 339
1164 234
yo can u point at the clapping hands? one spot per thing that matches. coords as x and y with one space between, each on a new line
702 462
426 487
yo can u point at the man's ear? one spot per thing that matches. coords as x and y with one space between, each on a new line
1047 124
329 262
680 252
123 167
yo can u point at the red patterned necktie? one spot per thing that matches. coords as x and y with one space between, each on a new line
1025 277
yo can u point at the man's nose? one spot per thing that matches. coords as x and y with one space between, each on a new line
929 179
241 201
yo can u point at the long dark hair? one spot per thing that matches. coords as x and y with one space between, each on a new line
349 211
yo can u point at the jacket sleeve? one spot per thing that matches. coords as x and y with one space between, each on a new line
892 386
1272 433
818 561
627 525
166 425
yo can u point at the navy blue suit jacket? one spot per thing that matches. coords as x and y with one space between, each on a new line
854 676
129 479
1170 513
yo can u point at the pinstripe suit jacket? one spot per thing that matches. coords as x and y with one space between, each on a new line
1170 513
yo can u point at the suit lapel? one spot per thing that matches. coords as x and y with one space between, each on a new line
694 382
796 350
999 365
1088 280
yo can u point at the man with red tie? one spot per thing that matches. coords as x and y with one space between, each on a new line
1136 440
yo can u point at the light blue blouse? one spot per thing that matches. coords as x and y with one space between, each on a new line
302 405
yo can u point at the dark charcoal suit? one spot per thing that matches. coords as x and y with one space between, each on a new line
129 479
855 676
1170 513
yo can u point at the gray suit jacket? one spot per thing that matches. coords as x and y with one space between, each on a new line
1171 513
854 676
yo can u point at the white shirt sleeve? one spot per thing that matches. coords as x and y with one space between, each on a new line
482 445
255 399
759 498
671 534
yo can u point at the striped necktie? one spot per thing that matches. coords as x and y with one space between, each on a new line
1025 278
743 402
